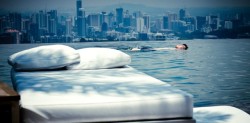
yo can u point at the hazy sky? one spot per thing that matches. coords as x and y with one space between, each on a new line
70 4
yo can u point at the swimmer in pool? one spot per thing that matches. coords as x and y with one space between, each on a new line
178 47
147 48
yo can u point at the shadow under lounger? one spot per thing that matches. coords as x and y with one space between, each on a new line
104 95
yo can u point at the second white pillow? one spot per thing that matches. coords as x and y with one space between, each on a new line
101 58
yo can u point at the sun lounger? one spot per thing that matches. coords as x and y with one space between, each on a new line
121 94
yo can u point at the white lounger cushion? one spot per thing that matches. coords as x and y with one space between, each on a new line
98 95
99 58
220 114
44 57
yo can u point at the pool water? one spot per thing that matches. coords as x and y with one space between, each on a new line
215 72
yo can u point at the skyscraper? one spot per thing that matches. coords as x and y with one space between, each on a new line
127 21
78 6
3 24
159 24
214 22
178 25
138 14
81 27
15 21
52 26
102 17
34 31
147 22
111 20
201 22
94 20
52 22
182 13
81 20
139 24
104 27
25 25
43 21
171 17
119 15
68 27
165 22
191 21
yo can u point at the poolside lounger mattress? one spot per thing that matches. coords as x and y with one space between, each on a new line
107 95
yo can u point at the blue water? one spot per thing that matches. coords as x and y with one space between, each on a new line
216 72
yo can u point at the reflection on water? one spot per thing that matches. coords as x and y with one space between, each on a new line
216 72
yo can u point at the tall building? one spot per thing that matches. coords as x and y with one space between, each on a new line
104 27
191 21
171 17
111 20
42 22
53 14
165 22
214 22
52 22
133 22
78 17
228 25
35 18
146 19
127 21
178 25
159 24
15 21
52 26
138 14
201 22
4 23
1 25
78 6
139 24
94 20
34 31
81 26
68 28
25 25
81 20
119 16
182 14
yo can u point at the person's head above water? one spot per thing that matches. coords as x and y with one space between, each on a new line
181 46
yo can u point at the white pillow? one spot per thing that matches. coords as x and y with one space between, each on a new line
101 58
44 57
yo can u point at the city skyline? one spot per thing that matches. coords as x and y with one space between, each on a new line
121 23
91 5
